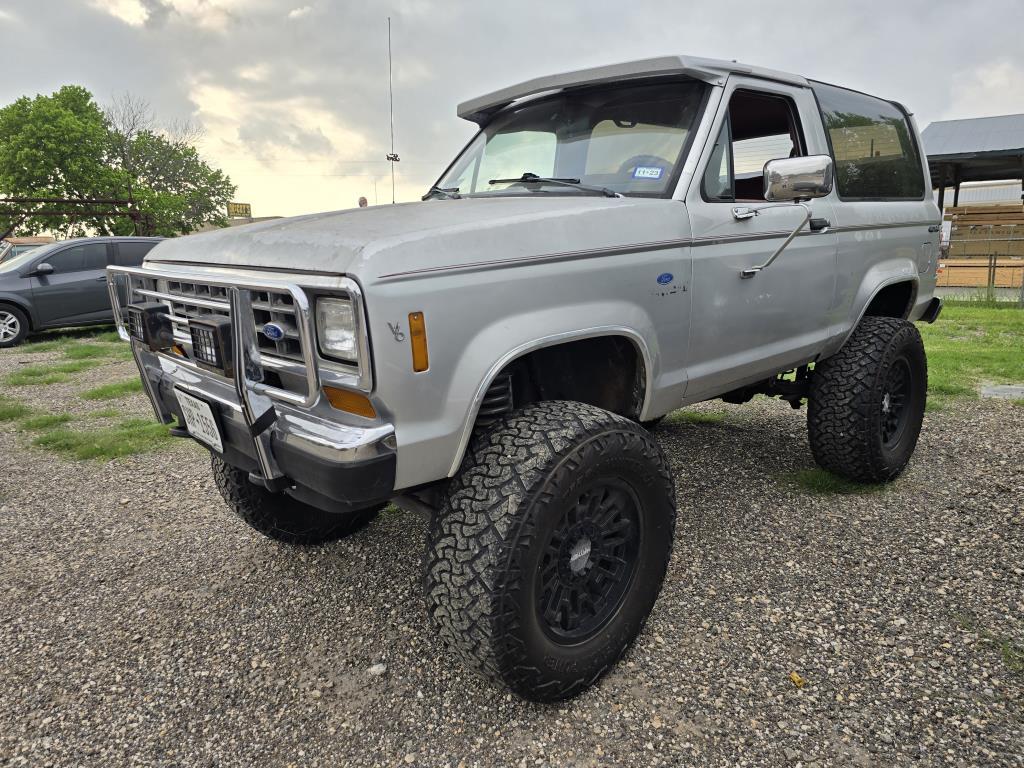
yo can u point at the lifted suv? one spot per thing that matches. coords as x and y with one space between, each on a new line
614 244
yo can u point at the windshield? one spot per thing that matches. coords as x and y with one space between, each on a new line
16 261
629 139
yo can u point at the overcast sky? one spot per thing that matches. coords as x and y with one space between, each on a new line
292 94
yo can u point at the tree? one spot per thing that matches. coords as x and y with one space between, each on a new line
55 146
64 146
174 188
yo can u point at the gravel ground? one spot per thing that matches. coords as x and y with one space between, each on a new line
140 624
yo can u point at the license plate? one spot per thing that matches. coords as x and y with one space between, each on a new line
199 420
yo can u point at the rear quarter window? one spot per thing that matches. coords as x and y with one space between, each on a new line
876 155
130 254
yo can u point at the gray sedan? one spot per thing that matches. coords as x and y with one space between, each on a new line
63 284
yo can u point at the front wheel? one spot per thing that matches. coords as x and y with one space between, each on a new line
867 401
13 326
281 517
550 547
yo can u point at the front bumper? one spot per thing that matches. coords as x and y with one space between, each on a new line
329 465
298 445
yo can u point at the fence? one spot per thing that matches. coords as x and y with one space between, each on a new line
984 260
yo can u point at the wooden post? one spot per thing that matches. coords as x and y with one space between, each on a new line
956 187
942 191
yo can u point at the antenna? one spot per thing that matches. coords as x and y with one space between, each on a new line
392 157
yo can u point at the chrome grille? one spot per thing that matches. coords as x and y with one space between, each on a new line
188 299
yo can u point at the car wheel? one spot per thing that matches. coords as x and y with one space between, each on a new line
550 547
13 326
281 517
867 401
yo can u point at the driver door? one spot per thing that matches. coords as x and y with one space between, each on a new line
76 290
745 330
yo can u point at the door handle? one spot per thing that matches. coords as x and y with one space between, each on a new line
749 272
819 225
934 227
101 279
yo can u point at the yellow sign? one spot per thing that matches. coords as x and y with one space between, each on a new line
239 211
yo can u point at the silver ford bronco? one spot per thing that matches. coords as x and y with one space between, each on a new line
613 244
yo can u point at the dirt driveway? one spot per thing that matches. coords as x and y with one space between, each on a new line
140 624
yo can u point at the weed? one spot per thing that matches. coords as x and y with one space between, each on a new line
823 482
124 439
114 390
45 421
47 374
12 409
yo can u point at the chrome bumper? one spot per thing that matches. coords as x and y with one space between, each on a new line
259 420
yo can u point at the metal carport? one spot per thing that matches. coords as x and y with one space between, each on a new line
977 149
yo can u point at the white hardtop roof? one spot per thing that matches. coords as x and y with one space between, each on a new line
709 70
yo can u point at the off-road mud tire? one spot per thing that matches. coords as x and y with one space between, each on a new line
847 407
489 550
281 517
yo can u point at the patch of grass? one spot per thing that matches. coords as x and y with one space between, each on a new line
820 481
1018 403
108 337
971 343
114 390
85 351
12 409
45 421
53 345
1011 651
696 417
129 437
47 374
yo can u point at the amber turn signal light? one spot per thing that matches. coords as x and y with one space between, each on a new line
353 402
418 340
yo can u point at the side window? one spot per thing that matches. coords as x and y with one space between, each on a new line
79 258
876 156
718 174
759 127
130 254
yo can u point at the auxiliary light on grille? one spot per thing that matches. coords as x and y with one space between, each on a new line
211 344
149 323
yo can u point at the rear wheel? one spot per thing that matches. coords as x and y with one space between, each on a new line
550 547
13 326
867 401
281 517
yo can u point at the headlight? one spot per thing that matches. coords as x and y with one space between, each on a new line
337 329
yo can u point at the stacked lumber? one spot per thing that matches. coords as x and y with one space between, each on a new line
981 231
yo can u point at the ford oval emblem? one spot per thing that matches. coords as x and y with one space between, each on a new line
664 278
275 332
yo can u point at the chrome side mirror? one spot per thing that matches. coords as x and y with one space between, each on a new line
797 178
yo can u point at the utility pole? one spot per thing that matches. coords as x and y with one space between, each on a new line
392 157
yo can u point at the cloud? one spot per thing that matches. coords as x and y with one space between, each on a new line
994 88
297 113
131 12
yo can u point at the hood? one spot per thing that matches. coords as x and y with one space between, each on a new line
389 240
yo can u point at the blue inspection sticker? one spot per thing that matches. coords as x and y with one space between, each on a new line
664 278
647 172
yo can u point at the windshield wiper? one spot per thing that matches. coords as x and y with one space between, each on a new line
532 178
449 193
